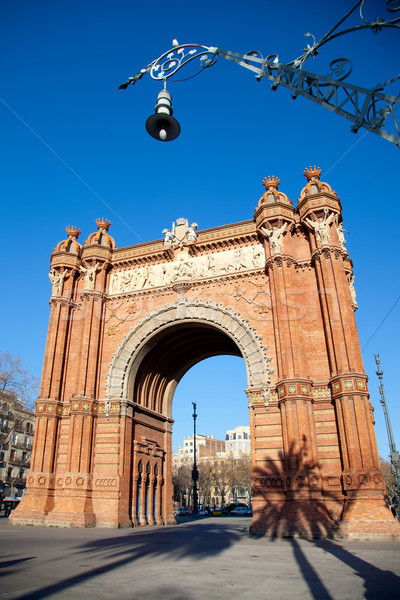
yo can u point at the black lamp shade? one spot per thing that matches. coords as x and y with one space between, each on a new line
163 122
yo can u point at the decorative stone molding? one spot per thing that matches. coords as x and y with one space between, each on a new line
326 252
258 397
279 260
223 318
294 388
349 384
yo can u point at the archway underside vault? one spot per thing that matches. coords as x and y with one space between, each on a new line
171 355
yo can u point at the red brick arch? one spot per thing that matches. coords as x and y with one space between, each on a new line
206 328
127 323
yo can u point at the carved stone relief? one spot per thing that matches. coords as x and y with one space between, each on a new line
186 268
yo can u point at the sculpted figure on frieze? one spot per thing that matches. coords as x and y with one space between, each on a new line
351 277
340 233
240 259
275 235
321 226
89 273
56 279
186 267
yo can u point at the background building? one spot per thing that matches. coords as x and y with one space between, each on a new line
16 437
238 441
206 445
224 469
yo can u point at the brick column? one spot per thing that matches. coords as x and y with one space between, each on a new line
49 355
39 496
362 478
54 358
168 490
159 497
142 516
150 516
91 332
134 514
362 481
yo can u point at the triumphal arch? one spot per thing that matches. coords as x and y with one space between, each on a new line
127 323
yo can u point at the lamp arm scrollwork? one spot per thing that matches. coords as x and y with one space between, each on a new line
371 109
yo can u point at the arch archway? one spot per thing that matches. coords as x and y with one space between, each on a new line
192 330
104 424
145 372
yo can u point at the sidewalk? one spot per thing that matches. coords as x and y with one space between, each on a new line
213 558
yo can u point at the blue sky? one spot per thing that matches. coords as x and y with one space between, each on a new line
74 148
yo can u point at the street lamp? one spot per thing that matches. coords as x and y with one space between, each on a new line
162 125
368 108
195 472
394 455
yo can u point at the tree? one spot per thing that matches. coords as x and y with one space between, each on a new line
388 478
243 475
238 475
182 480
16 382
18 390
205 482
220 477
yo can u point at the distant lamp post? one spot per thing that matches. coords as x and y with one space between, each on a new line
195 473
394 455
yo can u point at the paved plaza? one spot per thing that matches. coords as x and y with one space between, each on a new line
212 558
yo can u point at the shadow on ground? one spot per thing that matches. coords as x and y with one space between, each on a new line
197 540
200 540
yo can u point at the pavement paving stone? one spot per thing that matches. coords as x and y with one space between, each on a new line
212 558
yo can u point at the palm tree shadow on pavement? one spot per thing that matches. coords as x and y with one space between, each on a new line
176 543
289 499
287 509
378 583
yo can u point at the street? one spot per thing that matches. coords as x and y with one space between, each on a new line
212 558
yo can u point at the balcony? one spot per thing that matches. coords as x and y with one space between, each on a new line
23 444
19 461
15 481
20 482
19 427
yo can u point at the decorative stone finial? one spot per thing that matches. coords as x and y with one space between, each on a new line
73 231
312 174
103 224
271 183
101 236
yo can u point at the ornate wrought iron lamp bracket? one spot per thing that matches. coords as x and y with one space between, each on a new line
371 109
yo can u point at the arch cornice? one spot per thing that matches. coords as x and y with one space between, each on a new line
248 341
